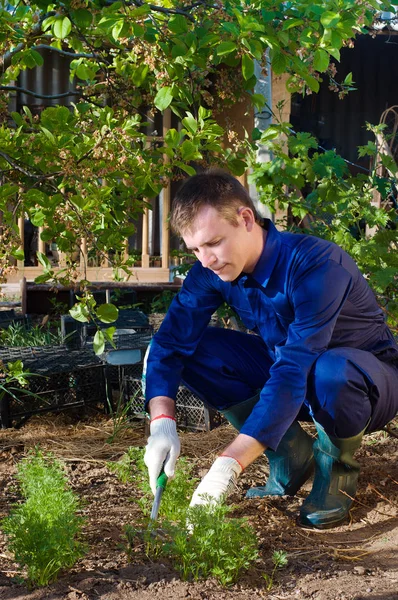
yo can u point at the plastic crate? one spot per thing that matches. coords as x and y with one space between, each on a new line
191 413
61 379
129 323
10 317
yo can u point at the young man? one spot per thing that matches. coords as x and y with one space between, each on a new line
322 352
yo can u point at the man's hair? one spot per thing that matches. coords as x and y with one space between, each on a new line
214 188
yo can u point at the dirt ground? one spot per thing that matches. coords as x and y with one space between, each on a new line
355 561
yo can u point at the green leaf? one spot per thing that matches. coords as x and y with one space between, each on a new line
335 52
290 23
237 166
139 75
226 48
18 253
62 28
321 60
84 72
43 260
80 313
173 138
247 67
39 61
38 218
190 123
99 342
189 151
258 101
278 63
186 168
178 24
107 313
82 17
330 19
109 332
163 98
48 134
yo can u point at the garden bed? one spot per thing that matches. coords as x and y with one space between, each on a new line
355 561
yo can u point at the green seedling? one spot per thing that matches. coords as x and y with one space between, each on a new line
202 541
279 558
43 533
214 546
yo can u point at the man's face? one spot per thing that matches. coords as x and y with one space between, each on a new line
226 249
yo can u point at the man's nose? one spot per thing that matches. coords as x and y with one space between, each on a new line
207 258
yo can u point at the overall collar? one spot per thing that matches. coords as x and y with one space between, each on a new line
266 263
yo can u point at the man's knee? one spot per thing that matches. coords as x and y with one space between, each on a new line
339 395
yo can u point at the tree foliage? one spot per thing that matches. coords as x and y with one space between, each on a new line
325 199
88 170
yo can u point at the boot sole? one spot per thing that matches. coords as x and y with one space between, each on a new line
322 526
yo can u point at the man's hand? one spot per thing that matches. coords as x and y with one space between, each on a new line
219 481
162 449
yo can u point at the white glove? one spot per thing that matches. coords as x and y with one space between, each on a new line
162 449
219 481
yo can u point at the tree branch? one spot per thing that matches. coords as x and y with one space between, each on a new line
63 52
14 88
18 167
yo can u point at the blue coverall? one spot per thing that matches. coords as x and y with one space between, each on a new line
322 348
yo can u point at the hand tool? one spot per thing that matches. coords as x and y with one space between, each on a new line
160 487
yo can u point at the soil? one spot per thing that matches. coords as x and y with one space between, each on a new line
356 561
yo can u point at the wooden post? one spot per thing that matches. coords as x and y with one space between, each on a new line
165 249
281 107
145 238
21 224
22 285
41 244
83 253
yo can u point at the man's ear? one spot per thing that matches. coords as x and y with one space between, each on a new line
247 215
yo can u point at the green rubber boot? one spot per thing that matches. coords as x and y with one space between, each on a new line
335 481
290 465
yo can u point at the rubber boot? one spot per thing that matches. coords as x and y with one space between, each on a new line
290 465
335 481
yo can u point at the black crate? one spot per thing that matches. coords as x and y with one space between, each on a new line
130 323
191 414
61 379
10 317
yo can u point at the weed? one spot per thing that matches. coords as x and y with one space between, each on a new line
19 335
43 531
279 558
120 415
161 302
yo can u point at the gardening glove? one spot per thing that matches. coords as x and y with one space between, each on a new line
162 449
219 481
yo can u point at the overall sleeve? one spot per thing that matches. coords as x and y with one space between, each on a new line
317 294
180 333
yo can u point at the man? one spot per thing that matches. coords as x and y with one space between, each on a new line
322 352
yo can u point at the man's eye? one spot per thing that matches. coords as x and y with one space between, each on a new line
215 243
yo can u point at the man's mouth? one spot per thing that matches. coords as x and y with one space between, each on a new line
218 271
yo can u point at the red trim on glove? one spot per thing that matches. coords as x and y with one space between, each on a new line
162 417
239 463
